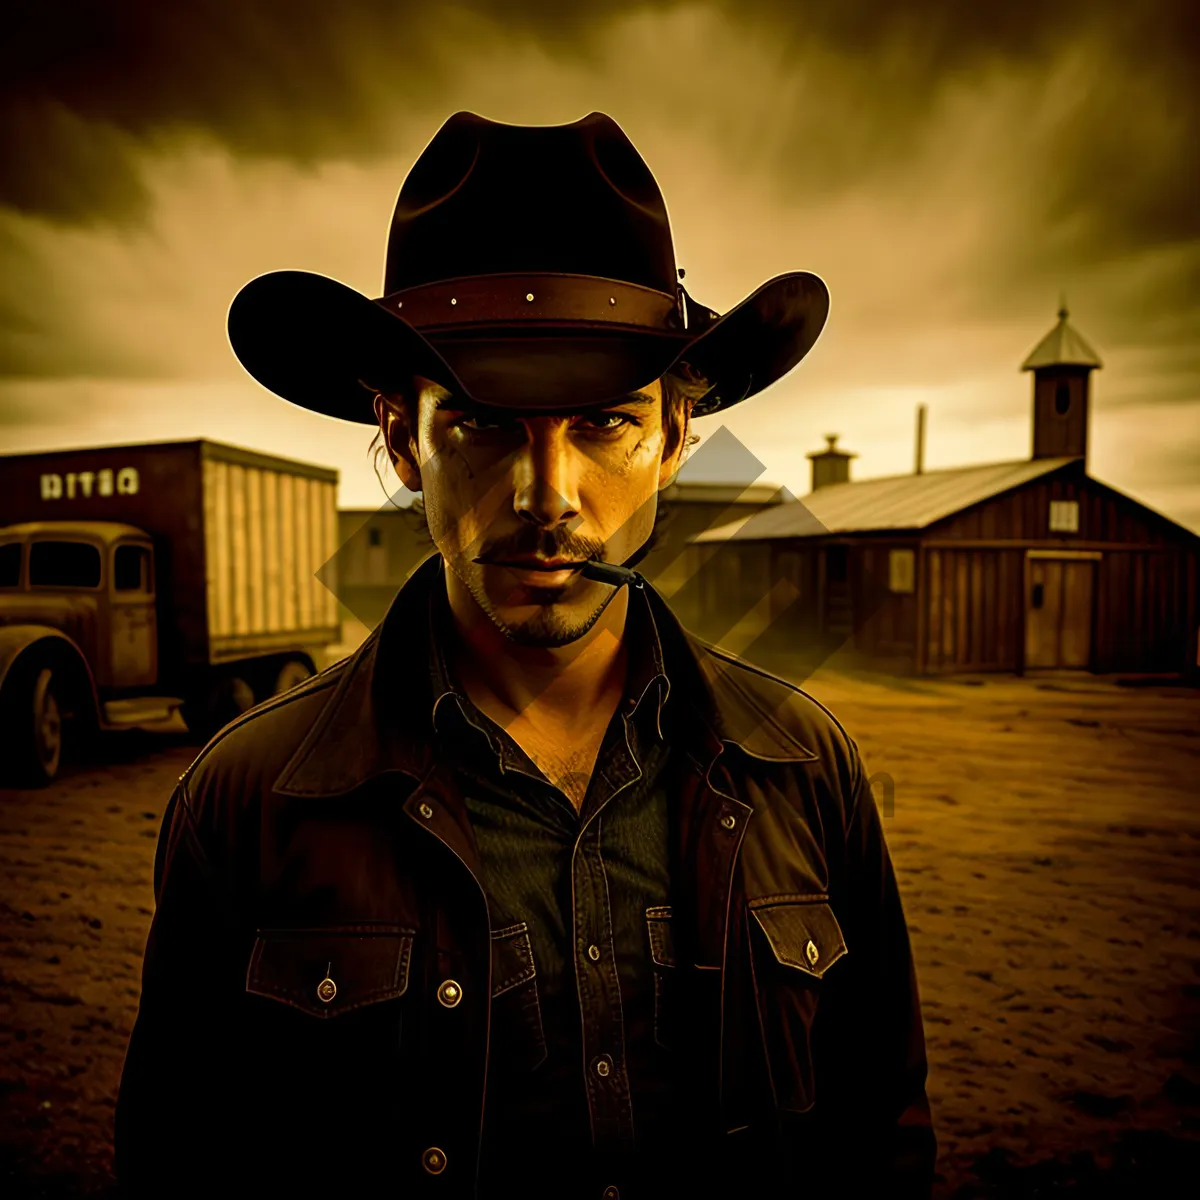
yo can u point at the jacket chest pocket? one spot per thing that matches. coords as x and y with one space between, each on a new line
665 967
519 1037
322 1044
349 976
792 947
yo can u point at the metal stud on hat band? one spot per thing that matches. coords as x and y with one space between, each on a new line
491 300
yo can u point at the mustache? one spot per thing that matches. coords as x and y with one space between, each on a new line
546 543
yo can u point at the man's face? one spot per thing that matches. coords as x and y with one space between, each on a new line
510 498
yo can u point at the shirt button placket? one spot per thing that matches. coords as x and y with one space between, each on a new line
600 997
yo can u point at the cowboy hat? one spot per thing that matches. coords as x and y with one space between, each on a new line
530 267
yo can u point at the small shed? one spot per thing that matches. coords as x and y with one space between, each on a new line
377 551
1010 566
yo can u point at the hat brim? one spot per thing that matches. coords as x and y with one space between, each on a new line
760 340
325 347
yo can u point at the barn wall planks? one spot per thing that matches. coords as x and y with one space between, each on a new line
884 621
973 603
1146 610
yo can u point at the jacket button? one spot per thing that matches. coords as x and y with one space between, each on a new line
728 821
326 990
449 993
603 1066
434 1160
611 1193
594 953
425 810
812 952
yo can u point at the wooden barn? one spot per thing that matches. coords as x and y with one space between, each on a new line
1012 566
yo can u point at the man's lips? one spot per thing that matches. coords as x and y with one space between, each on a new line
591 569
534 564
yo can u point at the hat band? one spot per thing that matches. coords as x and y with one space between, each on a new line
534 299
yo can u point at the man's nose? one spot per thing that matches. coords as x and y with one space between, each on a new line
546 484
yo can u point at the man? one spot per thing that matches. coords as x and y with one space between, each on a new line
536 893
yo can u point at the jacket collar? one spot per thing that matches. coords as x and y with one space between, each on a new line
378 717
731 701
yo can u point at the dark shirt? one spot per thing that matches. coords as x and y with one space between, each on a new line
582 1094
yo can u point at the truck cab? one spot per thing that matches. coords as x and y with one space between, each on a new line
92 581
78 633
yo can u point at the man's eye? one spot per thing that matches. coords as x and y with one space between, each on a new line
622 418
483 425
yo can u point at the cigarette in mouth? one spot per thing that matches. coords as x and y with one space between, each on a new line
610 573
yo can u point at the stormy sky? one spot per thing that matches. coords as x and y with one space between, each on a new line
950 170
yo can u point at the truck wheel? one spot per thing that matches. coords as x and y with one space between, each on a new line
237 696
293 672
33 717
213 706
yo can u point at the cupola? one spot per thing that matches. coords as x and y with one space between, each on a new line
1062 363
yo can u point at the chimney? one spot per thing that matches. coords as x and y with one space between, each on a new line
919 466
830 465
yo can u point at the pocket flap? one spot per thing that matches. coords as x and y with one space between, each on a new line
662 943
805 936
512 958
326 972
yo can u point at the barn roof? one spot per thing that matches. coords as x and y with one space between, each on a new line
892 502
698 492
1062 346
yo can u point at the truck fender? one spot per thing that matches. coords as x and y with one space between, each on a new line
16 640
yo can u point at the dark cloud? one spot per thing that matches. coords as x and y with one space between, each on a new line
41 333
90 88
18 412
58 163
302 79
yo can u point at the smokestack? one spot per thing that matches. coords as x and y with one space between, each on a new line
919 467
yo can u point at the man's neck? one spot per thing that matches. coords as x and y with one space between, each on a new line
553 688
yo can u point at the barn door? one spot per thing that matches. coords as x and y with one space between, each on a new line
1058 612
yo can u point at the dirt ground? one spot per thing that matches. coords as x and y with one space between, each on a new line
1046 833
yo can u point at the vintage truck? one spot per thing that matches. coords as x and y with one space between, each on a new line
141 580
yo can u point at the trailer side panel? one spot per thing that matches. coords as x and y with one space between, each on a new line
269 532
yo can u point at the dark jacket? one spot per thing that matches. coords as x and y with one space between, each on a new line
317 885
